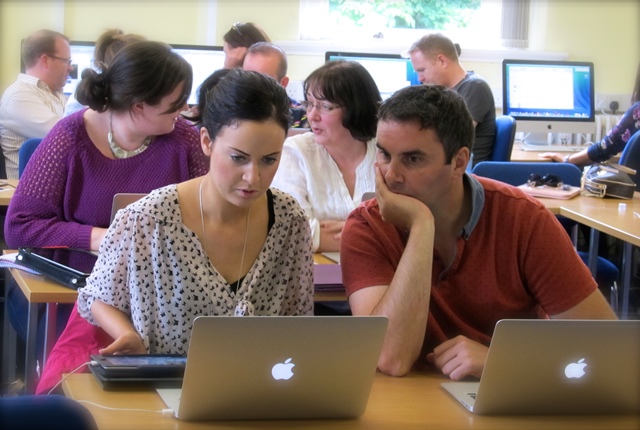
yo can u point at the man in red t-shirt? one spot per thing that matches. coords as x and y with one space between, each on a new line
445 255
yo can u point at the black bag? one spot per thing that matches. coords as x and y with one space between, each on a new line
608 180
70 267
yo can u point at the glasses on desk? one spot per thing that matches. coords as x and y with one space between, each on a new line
548 180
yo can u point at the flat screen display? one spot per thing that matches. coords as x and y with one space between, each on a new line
390 72
204 61
549 96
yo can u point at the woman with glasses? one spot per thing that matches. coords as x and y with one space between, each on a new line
237 41
329 169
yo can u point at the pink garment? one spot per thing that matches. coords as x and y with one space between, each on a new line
79 340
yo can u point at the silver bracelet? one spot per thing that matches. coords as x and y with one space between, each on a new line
566 158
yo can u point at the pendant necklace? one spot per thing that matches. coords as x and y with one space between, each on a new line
119 152
243 307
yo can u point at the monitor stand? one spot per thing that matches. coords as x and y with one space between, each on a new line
544 142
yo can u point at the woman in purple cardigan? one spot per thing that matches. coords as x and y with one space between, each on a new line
132 139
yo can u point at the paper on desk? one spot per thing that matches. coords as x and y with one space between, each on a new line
8 261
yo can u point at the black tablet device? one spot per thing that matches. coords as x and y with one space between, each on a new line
68 266
143 366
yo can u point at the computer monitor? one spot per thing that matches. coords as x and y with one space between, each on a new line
204 61
549 97
390 72
81 58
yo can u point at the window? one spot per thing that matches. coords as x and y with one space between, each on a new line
472 23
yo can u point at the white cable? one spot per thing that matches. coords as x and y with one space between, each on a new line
161 411
93 362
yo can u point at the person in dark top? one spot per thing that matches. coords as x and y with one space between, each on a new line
435 58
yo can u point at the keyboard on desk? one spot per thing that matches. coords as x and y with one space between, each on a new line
552 148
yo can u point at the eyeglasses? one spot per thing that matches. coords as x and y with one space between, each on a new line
323 108
66 60
549 180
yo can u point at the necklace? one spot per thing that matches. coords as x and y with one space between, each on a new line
204 233
119 152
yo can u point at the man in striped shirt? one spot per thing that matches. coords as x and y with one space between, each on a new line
33 104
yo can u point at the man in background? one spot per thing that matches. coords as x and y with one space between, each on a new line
435 59
271 60
32 105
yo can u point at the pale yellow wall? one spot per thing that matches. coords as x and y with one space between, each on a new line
604 32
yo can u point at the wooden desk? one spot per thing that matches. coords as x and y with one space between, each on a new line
37 290
414 402
602 216
6 192
518 154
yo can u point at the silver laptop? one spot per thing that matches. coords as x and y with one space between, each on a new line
121 200
278 368
557 367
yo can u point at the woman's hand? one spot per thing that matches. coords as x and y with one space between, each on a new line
553 156
129 343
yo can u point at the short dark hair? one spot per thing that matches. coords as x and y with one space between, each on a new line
144 71
39 43
432 107
267 49
245 34
349 85
435 44
108 45
242 95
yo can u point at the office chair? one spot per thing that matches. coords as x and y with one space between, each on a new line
505 135
25 152
631 157
517 173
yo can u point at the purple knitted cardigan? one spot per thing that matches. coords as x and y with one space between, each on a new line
68 186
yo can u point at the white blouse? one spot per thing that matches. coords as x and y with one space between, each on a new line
309 174
154 269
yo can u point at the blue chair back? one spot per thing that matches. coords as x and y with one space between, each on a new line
631 157
24 153
516 172
505 135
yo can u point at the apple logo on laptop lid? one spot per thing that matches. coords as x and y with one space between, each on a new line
282 370
575 370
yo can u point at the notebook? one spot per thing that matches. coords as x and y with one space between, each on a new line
278 368
122 200
557 367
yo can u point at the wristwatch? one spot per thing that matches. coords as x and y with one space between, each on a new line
566 158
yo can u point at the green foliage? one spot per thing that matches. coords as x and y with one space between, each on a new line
420 14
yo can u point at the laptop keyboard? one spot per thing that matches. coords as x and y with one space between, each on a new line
472 395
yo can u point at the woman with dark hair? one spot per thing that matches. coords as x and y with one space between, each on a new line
614 142
107 46
130 140
329 169
220 244
237 41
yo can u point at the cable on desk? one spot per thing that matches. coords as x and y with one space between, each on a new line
166 412
92 362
